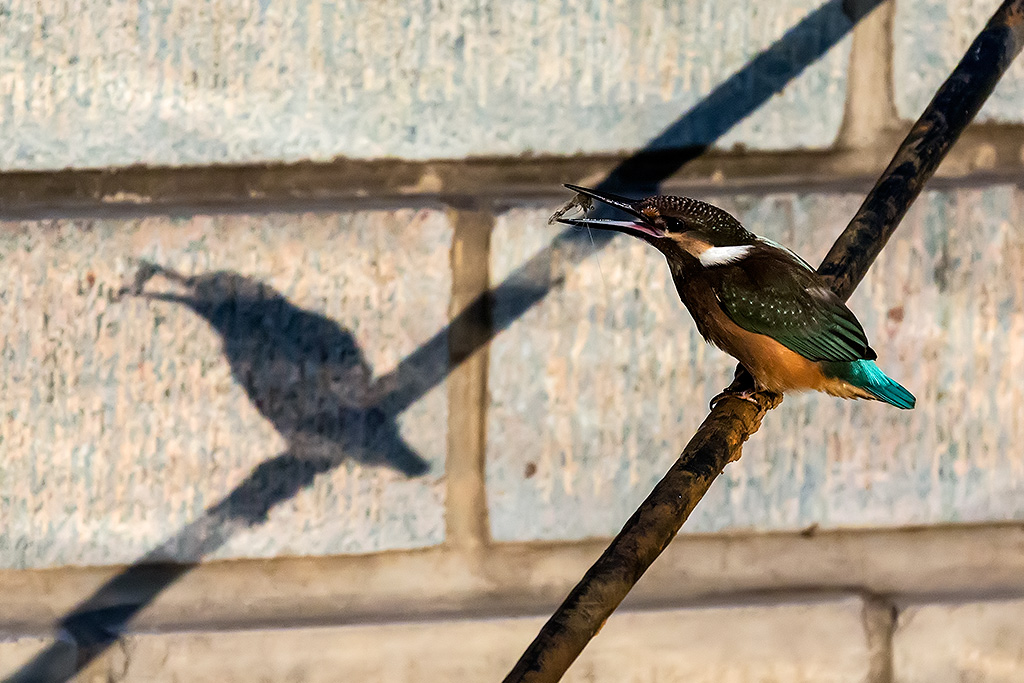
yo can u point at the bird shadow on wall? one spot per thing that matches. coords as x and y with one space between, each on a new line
97 622
308 377
302 371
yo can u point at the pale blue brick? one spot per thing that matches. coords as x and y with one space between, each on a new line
194 82
596 390
275 383
930 38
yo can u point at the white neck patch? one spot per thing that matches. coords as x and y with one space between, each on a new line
721 256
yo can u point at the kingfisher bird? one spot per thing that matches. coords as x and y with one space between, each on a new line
754 299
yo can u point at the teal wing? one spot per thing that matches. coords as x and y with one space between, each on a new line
772 293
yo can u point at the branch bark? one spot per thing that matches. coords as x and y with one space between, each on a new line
720 438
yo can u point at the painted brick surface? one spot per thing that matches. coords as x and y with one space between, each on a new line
193 82
595 391
930 37
978 642
812 643
274 376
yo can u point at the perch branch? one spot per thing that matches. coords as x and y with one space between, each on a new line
719 439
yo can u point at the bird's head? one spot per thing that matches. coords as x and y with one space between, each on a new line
679 227
219 296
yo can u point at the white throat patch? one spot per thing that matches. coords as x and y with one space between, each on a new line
721 256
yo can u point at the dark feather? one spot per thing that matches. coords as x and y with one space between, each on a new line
772 293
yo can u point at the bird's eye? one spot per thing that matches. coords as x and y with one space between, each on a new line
673 224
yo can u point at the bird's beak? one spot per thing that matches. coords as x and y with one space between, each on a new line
642 227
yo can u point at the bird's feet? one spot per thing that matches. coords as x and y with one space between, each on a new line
745 394
745 388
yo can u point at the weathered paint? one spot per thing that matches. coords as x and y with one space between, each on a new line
929 38
595 391
121 421
193 82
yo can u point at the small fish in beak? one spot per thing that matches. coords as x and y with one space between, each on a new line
579 201
645 225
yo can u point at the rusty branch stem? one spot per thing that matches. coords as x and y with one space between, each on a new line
720 438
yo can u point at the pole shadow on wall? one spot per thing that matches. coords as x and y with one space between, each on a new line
98 621
307 376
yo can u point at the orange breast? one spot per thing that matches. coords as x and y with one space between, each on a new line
773 365
776 367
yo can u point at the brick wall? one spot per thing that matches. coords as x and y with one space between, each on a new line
242 246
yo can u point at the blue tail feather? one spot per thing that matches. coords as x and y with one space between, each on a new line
866 375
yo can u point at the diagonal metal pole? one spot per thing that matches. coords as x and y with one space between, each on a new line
720 438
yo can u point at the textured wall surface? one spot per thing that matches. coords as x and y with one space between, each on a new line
929 38
702 645
978 642
191 82
616 379
279 390
279 363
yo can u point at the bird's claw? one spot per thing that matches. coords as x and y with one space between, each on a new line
746 395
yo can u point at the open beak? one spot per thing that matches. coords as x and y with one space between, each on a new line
643 226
